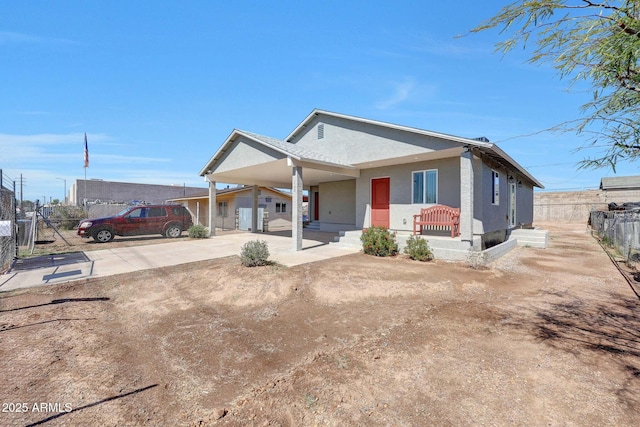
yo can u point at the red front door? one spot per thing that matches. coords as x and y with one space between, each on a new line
380 202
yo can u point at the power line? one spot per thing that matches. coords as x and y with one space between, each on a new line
551 164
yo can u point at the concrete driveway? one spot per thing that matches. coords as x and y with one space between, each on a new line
104 262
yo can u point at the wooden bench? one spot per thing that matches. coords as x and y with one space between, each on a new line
437 217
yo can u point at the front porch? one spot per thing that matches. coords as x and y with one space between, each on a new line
443 246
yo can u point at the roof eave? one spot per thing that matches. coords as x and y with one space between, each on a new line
498 151
231 139
218 153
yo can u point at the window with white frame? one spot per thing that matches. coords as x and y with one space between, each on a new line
223 209
281 207
495 187
425 186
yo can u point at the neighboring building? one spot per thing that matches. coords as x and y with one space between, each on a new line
360 172
621 189
275 202
566 206
576 206
97 190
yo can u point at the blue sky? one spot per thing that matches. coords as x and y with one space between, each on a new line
158 86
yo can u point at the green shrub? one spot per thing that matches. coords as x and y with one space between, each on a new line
418 249
254 253
67 217
198 231
379 241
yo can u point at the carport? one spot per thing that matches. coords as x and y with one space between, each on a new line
255 160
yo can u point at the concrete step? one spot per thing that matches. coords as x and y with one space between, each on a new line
348 239
530 237
315 226
350 242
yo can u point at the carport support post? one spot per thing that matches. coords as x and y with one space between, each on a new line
466 196
254 210
212 207
296 209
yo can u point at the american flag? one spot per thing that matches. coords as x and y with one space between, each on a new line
86 151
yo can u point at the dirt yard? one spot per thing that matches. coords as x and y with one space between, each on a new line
541 337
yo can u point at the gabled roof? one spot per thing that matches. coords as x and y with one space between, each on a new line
288 149
317 112
480 144
620 182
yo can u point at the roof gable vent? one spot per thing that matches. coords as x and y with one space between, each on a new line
321 131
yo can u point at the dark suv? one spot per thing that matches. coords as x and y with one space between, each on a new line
168 220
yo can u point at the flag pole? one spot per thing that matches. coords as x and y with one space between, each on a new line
86 165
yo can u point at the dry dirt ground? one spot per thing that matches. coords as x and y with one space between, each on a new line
541 337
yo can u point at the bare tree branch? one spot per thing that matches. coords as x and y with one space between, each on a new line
593 41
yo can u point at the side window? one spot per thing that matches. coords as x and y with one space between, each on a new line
156 212
223 209
431 186
495 187
425 186
179 211
281 207
418 187
136 213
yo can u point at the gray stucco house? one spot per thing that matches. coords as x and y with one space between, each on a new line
360 172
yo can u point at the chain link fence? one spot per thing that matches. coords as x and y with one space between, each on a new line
619 230
7 224
52 229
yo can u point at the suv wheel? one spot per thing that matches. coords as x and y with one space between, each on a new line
103 235
173 231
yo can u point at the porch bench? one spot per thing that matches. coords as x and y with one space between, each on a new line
438 216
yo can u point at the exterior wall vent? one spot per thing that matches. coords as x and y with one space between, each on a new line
321 131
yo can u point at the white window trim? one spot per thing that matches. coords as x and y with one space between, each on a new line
495 191
424 190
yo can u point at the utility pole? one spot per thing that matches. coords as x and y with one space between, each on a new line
21 184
